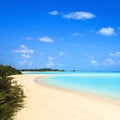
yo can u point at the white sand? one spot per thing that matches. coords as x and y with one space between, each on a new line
46 103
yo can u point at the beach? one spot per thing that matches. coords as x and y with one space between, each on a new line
48 103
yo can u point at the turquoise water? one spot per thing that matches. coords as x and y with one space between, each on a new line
102 84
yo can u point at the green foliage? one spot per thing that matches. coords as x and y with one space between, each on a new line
43 70
11 94
8 70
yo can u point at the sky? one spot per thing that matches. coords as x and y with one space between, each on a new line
64 34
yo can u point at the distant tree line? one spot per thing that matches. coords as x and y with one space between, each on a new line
11 94
42 70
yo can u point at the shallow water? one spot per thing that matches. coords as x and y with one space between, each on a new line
102 84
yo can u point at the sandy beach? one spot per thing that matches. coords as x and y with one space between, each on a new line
47 103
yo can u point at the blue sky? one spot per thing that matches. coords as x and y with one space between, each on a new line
65 34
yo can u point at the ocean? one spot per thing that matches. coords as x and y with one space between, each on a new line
104 84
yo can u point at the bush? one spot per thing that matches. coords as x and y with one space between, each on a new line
11 94
8 70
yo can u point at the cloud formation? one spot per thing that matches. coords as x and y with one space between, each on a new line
50 62
46 39
25 62
26 56
107 31
110 61
79 15
115 54
24 49
93 62
54 13
54 61
61 54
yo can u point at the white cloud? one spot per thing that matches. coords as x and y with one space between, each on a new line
25 62
93 62
24 49
25 55
107 31
79 15
53 13
22 62
50 58
115 54
75 34
54 62
46 39
110 61
61 54
50 62
60 64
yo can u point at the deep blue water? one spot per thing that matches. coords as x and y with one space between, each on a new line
99 83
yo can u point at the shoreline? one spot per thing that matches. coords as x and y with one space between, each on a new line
81 93
49 103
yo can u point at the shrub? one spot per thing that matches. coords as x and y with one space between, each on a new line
11 94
